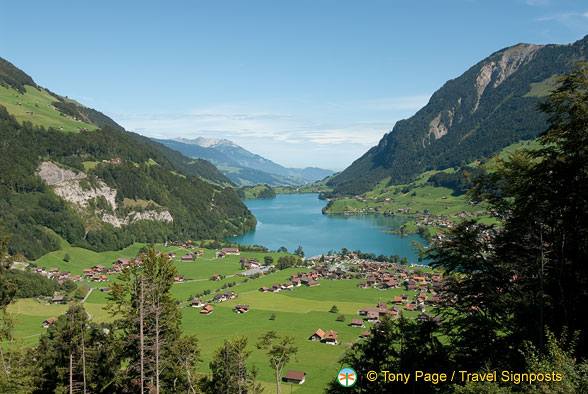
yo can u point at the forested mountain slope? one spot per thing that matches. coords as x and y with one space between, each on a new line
491 105
92 184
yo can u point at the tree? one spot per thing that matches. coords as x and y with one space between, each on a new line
268 260
279 352
76 355
150 320
230 374
187 355
341 318
334 309
282 249
66 258
299 251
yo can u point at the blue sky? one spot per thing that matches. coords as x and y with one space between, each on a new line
304 83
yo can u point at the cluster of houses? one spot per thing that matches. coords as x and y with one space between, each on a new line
309 279
329 337
392 275
55 273
419 304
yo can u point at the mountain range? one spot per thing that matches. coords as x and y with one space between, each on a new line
70 175
491 105
243 167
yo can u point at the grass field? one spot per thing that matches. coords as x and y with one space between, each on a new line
298 313
39 102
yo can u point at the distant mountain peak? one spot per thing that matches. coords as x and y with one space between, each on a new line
206 142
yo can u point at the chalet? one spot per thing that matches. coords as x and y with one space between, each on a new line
179 278
241 308
49 322
206 310
365 334
219 298
263 289
373 316
276 288
357 323
330 337
318 335
188 257
199 252
288 286
363 285
231 251
197 303
229 294
215 277
296 282
76 278
296 377
58 300
313 283
398 300
410 307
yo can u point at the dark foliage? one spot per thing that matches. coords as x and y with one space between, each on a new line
29 207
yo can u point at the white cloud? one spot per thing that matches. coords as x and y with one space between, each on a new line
331 135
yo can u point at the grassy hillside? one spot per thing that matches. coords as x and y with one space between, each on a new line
421 198
41 104
298 313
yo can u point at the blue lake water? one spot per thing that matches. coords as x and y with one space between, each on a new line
296 219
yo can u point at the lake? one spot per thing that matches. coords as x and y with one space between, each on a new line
296 219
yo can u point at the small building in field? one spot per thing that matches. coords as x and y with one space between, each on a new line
296 377
58 300
331 337
206 310
231 251
49 322
187 258
197 303
318 335
357 323
239 308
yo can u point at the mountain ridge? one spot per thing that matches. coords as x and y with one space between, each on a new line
475 115
242 166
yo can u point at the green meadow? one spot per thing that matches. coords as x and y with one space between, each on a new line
298 313
39 102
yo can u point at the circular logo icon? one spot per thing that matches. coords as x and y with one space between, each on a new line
347 377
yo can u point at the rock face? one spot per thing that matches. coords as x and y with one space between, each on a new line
470 117
66 184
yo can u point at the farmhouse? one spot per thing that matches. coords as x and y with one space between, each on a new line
330 337
357 323
318 335
297 377
232 251
197 303
207 310
49 321
241 308
188 257
263 289
219 298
